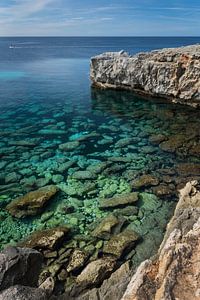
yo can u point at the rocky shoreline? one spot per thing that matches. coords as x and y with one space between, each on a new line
86 201
172 273
168 73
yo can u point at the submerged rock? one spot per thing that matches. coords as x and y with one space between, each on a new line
170 73
104 229
119 200
145 181
46 239
121 242
69 146
187 169
32 203
84 175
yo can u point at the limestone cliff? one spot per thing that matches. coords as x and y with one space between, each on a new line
172 73
175 273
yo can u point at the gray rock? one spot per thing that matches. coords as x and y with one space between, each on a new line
19 266
19 292
170 73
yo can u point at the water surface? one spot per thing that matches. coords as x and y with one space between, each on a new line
46 100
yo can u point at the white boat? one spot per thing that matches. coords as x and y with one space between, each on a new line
11 46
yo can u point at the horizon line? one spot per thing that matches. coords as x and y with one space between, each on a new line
102 36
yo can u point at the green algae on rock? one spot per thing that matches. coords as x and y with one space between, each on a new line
32 203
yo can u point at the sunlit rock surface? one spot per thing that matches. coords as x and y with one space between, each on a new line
172 73
175 273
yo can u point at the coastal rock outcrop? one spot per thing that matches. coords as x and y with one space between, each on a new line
175 272
170 73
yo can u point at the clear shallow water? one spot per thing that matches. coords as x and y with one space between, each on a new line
46 100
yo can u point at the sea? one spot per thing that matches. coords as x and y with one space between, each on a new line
93 145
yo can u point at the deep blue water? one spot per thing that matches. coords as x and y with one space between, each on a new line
46 99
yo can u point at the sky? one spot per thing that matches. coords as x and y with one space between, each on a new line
99 18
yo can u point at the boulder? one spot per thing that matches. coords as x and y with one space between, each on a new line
118 201
121 242
31 203
83 175
112 288
46 239
19 266
77 260
104 229
95 272
69 146
187 169
145 180
19 292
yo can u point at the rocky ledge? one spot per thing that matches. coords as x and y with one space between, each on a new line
172 73
175 272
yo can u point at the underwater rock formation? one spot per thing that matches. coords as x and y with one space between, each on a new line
170 73
175 272
32 203
46 239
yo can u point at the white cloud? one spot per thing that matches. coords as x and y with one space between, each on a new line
23 8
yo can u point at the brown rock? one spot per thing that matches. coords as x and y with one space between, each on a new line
157 138
195 150
187 169
145 181
95 272
46 239
163 190
119 200
77 260
173 143
121 242
104 229
32 203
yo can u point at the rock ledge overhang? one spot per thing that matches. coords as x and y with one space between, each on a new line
171 73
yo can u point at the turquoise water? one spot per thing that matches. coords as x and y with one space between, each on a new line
46 100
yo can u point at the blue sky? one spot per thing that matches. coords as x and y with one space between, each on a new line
99 18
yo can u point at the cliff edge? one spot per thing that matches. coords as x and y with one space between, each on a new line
172 73
175 273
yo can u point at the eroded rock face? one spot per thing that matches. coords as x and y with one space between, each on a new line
32 203
175 273
170 73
